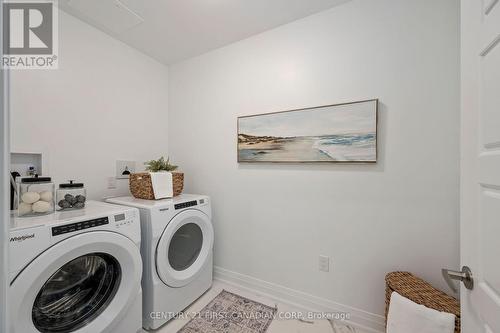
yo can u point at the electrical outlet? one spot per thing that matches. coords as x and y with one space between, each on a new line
324 263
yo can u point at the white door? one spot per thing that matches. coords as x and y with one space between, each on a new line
83 284
184 248
480 164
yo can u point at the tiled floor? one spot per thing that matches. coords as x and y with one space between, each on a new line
277 326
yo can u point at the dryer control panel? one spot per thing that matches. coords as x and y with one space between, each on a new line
64 229
185 204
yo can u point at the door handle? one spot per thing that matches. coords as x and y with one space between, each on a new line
465 276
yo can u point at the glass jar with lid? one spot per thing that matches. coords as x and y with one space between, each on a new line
71 195
35 196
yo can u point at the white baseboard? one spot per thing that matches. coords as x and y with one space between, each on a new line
302 301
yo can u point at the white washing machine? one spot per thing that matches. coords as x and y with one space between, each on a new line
76 271
177 246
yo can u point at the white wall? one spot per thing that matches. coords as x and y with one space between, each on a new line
106 102
273 221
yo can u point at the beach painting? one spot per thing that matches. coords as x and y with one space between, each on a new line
334 133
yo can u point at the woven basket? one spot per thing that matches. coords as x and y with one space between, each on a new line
142 188
421 292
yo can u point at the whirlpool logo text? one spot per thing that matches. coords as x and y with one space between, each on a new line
21 238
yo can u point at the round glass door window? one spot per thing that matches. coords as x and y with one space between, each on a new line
185 246
77 293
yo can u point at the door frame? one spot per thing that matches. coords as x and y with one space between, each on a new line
4 189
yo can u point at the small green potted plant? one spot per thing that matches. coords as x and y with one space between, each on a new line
141 185
160 165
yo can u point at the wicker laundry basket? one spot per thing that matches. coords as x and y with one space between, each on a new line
421 292
142 188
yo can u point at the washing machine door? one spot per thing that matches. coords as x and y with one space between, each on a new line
84 284
184 248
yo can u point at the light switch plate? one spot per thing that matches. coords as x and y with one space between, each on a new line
111 183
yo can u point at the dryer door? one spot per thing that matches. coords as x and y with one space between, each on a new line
85 283
184 248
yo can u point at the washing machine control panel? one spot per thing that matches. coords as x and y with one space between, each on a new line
124 220
64 229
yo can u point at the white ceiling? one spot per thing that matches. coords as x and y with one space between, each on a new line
173 30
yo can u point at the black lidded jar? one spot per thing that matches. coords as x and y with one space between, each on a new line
71 195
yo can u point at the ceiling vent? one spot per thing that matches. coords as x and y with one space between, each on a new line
112 15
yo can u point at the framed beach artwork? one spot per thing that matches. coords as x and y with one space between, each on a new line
332 133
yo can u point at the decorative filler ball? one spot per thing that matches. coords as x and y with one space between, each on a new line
46 196
24 208
41 206
64 204
30 197
71 201
79 205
